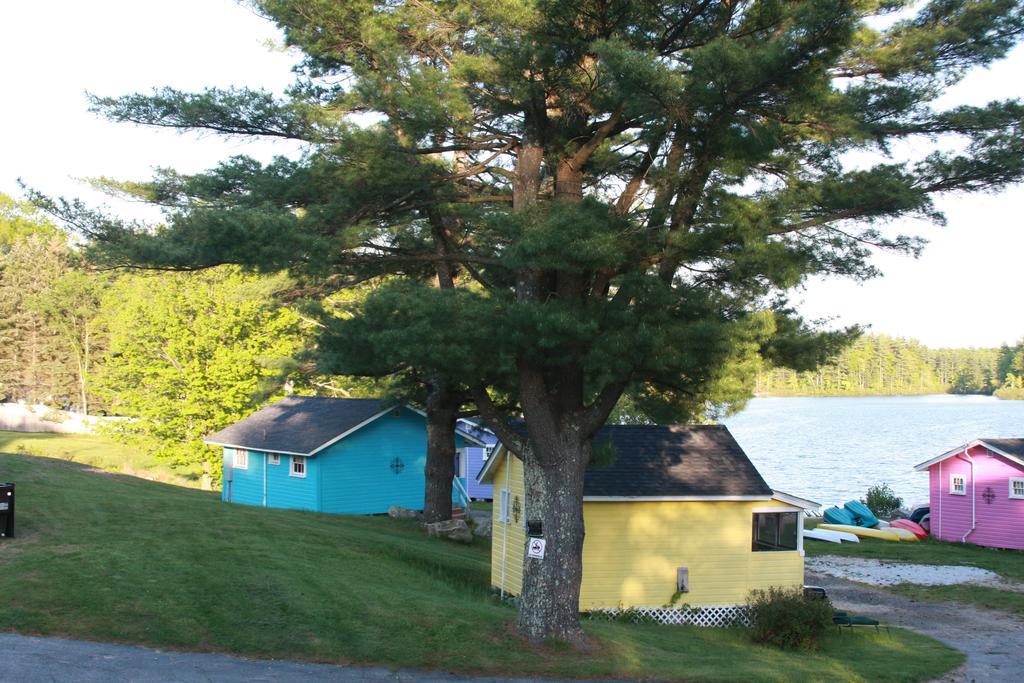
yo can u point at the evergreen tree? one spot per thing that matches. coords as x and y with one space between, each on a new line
629 187
1010 371
35 366
361 341
21 219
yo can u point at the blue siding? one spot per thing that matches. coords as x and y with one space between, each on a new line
475 463
283 491
246 485
357 474
294 493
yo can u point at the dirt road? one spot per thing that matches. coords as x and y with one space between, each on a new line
993 641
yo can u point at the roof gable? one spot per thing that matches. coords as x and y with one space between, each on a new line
300 425
1011 449
666 462
659 461
306 425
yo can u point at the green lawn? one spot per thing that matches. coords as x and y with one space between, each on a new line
1007 563
115 558
96 451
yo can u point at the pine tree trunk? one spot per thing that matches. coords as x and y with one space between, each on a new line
550 602
442 412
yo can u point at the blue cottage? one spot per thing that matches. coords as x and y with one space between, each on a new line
473 458
336 455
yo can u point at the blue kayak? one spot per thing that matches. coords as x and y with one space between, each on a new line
865 517
836 515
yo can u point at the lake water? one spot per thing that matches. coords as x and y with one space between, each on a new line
832 449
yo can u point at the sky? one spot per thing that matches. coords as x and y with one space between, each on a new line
965 290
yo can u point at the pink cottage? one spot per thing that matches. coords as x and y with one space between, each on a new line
977 493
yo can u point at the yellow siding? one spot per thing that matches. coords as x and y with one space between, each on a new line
515 548
632 550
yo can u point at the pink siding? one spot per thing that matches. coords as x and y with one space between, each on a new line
999 523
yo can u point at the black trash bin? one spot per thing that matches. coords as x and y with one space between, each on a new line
6 510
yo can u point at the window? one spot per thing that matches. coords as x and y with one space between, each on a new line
1017 487
275 459
241 459
957 485
503 506
298 466
775 530
488 451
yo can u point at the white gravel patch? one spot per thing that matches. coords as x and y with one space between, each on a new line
882 573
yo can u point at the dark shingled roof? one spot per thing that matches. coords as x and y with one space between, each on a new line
1014 447
298 424
668 461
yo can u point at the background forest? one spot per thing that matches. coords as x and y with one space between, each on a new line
878 365
185 354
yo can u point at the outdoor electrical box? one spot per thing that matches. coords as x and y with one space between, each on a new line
682 580
534 528
6 510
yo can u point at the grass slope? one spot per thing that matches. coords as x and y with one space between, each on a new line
1007 563
110 557
97 451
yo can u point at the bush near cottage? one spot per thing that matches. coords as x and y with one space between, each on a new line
883 501
785 618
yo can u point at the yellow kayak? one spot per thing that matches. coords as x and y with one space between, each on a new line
863 532
906 535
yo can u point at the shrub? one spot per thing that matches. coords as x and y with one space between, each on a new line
785 618
882 501
1010 393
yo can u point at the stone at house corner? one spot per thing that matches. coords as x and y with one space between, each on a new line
403 513
452 529
482 526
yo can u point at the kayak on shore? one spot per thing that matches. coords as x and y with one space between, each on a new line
864 532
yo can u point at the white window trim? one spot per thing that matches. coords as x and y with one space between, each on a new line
504 505
275 458
291 466
1013 480
240 463
488 452
952 484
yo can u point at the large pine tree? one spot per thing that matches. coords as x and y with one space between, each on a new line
610 194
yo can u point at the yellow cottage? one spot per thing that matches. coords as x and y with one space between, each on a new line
680 508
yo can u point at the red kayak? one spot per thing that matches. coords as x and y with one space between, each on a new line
912 527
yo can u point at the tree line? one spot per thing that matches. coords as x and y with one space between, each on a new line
1010 368
182 354
877 365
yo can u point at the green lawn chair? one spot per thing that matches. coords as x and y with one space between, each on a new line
841 619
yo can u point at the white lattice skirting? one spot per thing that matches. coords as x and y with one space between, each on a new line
712 617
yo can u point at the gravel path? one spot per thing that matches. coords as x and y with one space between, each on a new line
993 641
883 573
29 658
